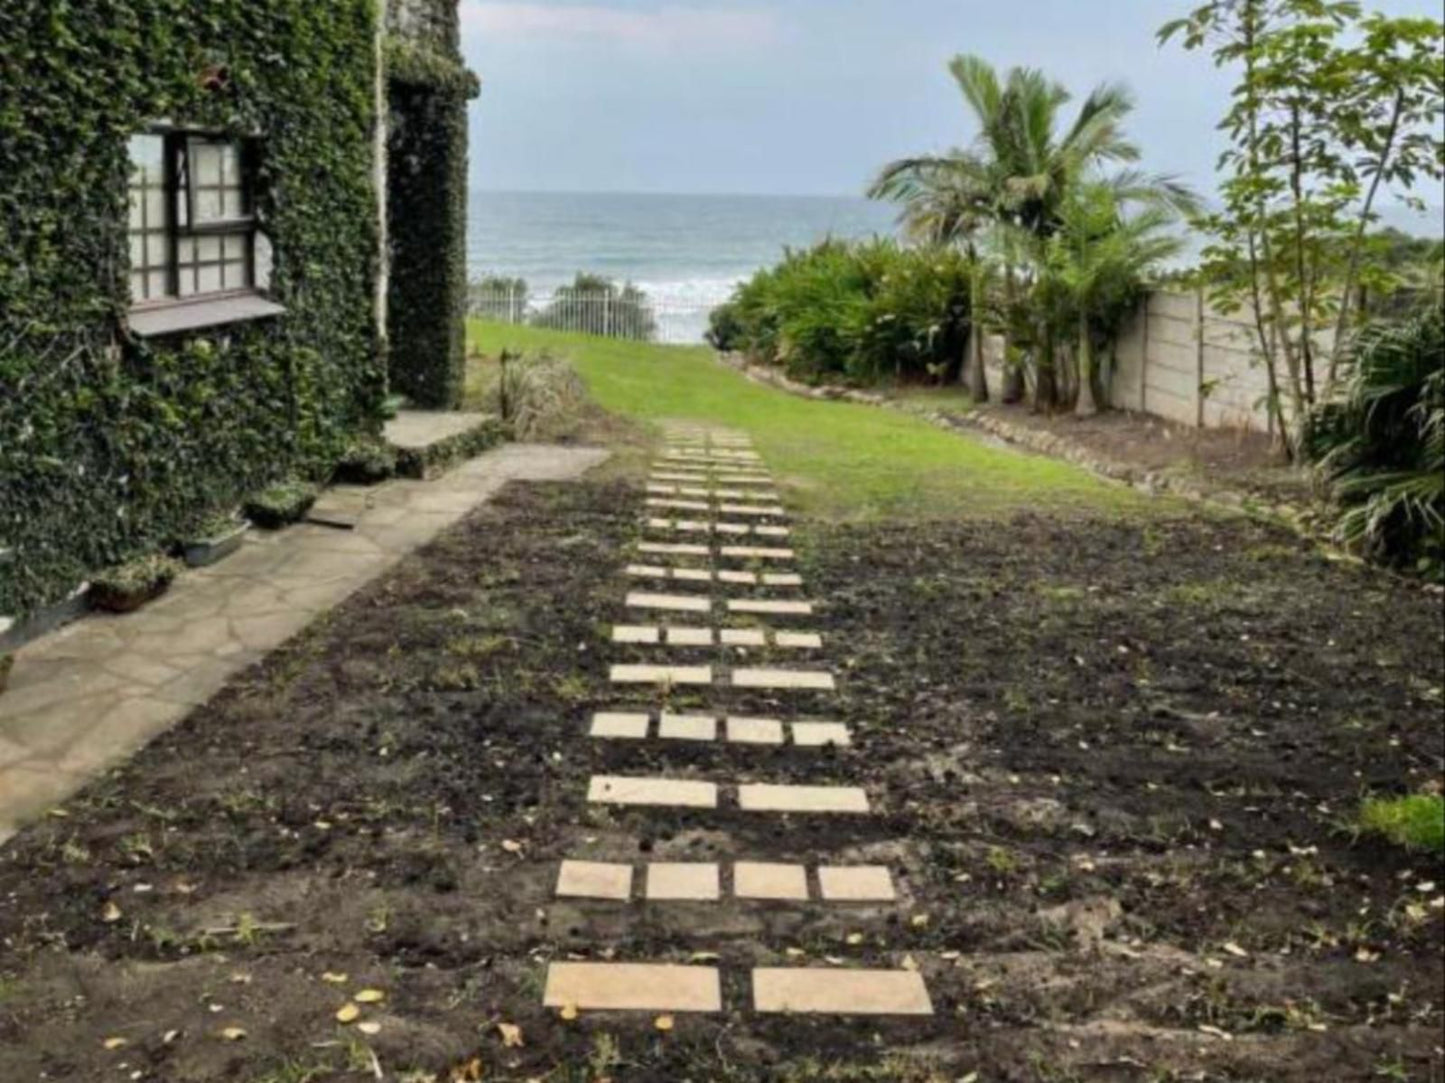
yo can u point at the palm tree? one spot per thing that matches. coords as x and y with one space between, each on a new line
1019 169
1099 257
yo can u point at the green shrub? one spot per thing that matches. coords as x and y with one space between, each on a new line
497 297
280 504
212 527
594 305
854 312
127 586
366 461
1382 444
1416 822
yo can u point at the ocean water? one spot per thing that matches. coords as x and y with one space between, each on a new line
686 251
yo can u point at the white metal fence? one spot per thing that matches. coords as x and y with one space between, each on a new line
623 312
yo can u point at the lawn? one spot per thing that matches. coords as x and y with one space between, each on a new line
841 460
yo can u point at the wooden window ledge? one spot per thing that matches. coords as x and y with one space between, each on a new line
150 321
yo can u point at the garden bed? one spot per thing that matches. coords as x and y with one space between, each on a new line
1115 767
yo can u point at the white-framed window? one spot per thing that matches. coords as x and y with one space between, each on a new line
192 216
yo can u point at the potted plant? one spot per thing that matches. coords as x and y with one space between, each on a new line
129 586
280 504
218 536
367 461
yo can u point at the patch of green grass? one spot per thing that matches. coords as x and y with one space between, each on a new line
1416 822
842 460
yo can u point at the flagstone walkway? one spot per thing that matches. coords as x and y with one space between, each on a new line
699 472
92 693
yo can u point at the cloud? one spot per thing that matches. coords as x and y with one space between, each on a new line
663 27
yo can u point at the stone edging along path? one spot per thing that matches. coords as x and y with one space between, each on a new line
703 462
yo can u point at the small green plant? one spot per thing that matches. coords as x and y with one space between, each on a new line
280 504
366 461
214 526
1416 821
129 586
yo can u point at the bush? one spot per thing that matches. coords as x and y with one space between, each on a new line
280 504
497 297
857 312
593 305
366 461
1416 822
1382 444
539 398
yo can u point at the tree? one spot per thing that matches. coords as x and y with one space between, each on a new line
1100 257
1017 173
1332 109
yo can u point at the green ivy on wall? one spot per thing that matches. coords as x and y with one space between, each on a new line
112 446
426 223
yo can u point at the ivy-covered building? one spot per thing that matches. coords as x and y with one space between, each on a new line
227 230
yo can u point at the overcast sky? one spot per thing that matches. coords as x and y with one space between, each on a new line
800 96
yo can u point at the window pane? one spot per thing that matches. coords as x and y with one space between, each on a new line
210 279
206 162
156 284
231 165
146 157
137 250
137 286
137 199
236 275
261 274
208 248
155 207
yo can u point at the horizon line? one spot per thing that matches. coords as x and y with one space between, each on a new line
488 189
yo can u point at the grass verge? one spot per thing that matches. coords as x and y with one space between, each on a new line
843 461
1416 822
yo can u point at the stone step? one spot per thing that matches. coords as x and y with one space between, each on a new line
652 987
839 991
707 575
674 636
637 725
751 796
703 881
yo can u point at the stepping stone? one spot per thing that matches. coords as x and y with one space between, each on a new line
736 529
693 575
661 490
594 880
651 987
749 578
817 680
782 579
687 526
743 637
683 880
632 727
757 880
769 605
817 734
649 571
765 797
749 552
676 549
680 505
750 509
798 640
755 731
772 531
665 792
814 990
689 637
856 883
682 727
683 603
635 633
668 476
661 674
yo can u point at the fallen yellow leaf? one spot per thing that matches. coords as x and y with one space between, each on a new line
110 913
369 1027
233 1034
369 996
115 1043
511 1034
855 938
347 1013
333 978
569 1011
663 1022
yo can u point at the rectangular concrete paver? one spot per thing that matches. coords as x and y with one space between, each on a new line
746 578
692 575
767 797
749 552
666 792
689 637
814 680
624 674
856 883
683 880
636 633
680 505
618 725
775 607
752 509
681 603
743 637
815 990
685 549
799 640
594 880
755 731
817 734
687 727
652 987
763 880
782 579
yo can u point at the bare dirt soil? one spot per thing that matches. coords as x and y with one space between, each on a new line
1114 767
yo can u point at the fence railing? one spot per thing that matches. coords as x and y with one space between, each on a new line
624 312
